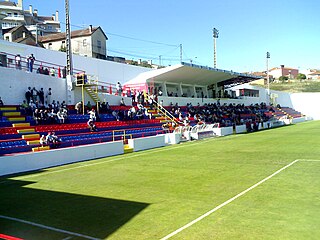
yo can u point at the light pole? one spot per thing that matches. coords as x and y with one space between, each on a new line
268 78
215 36
69 67
68 40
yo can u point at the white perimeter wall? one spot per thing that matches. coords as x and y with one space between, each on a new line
39 160
14 84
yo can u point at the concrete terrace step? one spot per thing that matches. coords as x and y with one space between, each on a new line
11 114
26 130
33 142
16 119
31 136
21 125
38 149
127 149
8 108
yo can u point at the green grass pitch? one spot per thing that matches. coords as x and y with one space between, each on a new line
150 194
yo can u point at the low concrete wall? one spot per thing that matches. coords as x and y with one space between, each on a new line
224 131
299 120
172 138
241 129
39 160
139 144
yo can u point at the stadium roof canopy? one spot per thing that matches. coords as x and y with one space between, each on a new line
186 73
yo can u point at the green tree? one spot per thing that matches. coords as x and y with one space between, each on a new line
301 76
283 78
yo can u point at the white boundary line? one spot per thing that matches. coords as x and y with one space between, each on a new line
232 199
49 228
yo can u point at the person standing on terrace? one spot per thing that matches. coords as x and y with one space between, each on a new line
18 61
30 62
119 88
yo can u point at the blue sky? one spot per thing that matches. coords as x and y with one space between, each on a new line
288 29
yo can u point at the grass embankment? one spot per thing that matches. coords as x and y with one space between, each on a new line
295 86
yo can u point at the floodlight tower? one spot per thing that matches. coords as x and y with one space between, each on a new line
68 40
215 36
268 78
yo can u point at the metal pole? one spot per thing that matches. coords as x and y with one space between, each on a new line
180 53
68 40
215 36
37 34
268 78
82 93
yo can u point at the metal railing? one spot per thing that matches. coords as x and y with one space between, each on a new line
122 135
23 65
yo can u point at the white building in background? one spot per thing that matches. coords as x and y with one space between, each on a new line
90 42
2 16
284 71
17 16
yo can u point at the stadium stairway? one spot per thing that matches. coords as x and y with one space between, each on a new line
290 113
12 114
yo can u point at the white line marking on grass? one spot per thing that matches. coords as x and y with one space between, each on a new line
49 228
309 160
226 202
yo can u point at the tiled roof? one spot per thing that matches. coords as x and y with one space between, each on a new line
315 73
44 18
12 30
74 34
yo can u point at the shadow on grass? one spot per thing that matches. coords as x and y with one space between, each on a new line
93 216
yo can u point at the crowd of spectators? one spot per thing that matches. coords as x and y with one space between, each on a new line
225 115
30 63
42 109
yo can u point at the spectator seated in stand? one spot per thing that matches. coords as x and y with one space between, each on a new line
122 102
43 141
61 115
166 127
92 126
56 139
92 115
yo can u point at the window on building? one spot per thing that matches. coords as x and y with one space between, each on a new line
9 14
84 42
15 14
249 92
98 43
